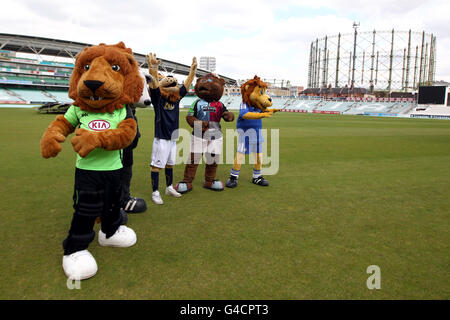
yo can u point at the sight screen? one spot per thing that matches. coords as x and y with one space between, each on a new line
432 95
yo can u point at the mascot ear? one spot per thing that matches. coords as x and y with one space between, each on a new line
79 53
133 82
121 45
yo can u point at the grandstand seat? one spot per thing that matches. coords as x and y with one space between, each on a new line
6 96
61 96
378 107
32 95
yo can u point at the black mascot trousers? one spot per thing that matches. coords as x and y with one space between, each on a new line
96 194
127 173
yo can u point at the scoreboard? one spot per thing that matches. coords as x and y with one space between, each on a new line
436 95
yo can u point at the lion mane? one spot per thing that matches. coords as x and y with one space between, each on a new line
248 87
105 78
171 94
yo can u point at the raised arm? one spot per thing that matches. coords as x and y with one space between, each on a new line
153 65
190 77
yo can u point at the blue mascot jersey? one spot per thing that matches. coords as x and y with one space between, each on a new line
246 124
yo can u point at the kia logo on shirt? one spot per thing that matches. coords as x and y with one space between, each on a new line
99 125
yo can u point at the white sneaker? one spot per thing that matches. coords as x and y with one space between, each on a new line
156 197
170 191
79 265
124 237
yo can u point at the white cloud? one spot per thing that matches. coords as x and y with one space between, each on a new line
247 37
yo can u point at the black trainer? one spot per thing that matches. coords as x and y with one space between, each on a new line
260 181
232 182
135 205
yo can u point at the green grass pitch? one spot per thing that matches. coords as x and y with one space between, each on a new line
350 192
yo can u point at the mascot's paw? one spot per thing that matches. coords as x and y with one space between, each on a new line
260 181
135 205
51 144
214 185
84 142
232 182
183 187
205 125
228 116
124 237
79 265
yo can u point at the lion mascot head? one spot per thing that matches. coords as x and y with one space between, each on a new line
169 88
105 78
209 87
254 94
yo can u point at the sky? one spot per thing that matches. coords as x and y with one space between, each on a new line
268 38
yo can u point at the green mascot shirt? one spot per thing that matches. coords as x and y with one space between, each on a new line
98 159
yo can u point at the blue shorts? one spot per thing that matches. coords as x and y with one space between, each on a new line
247 145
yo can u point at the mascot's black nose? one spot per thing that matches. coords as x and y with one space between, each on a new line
147 102
270 99
93 85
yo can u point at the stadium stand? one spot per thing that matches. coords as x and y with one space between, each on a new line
380 108
187 101
32 96
60 96
340 106
431 112
377 107
28 82
7 96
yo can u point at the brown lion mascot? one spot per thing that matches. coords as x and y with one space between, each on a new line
104 81
255 106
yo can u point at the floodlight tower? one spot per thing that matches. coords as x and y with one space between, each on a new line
355 26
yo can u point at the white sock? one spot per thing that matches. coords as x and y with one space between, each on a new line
256 173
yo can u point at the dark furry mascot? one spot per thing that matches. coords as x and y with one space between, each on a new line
204 116
105 79
132 204
255 106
